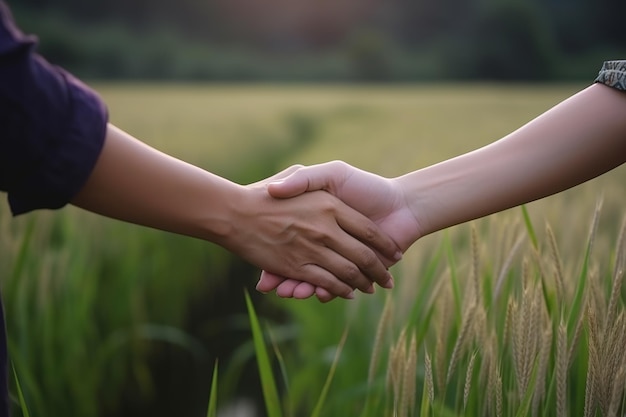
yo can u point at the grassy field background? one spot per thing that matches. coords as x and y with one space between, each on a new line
155 310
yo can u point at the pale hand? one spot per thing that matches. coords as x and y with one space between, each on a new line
380 199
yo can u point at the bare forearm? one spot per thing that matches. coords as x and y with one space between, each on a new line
136 183
315 238
577 140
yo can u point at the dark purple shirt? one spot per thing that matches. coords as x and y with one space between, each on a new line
52 129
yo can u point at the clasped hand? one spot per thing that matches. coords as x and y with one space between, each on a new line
380 199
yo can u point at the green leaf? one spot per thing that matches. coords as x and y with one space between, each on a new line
268 384
529 227
456 289
320 402
212 408
20 394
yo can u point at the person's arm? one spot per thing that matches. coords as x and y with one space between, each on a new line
56 146
575 141
315 238
579 139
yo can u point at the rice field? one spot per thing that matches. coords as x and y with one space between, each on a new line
518 314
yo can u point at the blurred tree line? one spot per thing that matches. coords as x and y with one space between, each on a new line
388 40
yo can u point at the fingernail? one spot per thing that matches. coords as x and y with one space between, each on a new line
370 289
350 296
397 256
389 284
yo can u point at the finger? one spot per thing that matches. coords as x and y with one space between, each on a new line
285 289
303 290
312 178
323 295
288 288
268 282
280 175
337 261
333 282
288 187
361 251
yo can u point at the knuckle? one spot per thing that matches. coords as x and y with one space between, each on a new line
319 235
338 164
351 273
367 259
327 201
370 233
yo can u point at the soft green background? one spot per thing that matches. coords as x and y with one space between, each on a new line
106 318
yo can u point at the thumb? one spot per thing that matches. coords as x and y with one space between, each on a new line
268 282
293 185
312 178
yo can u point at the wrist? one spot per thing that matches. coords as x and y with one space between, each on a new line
438 197
218 219
417 198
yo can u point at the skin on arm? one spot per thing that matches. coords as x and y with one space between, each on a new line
316 239
575 141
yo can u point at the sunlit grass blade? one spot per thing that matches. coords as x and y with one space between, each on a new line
529 227
283 368
268 384
549 301
331 373
212 408
20 394
579 296
456 290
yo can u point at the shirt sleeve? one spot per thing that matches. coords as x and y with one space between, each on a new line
52 126
613 74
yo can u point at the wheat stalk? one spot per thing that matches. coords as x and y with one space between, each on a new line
526 337
383 324
558 265
544 358
489 366
468 379
408 380
461 340
395 368
618 393
506 266
428 378
615 294
440 365
614 358
486 372
589 392
498 389
594 365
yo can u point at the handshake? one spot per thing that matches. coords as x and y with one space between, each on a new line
375 225
328 229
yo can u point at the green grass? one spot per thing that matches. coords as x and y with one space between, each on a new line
86 298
